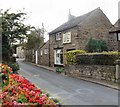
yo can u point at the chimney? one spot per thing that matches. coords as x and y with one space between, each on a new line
70 17
118 14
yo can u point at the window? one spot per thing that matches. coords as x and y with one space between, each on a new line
67 37
41 52
59 56
45 51
118 36
58 36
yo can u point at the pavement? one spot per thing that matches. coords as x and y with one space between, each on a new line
110 84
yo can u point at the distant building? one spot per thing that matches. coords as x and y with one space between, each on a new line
20 52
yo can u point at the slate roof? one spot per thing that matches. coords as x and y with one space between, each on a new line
72 23
117 24
116 27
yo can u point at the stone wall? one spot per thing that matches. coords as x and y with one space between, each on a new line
102 72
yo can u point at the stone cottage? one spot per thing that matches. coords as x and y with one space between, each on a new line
43 54
75 34
114 37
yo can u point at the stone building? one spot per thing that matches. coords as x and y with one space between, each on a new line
75 34
43 54
114 37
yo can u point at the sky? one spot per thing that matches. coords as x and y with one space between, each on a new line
53 13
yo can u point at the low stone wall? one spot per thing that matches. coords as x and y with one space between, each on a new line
102 72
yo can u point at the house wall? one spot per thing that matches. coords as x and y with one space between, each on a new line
96 26
60 45
113 43
43 59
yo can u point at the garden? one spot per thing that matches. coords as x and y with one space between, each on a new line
17 91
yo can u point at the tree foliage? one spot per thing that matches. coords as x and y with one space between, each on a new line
12 28
96 45
35 40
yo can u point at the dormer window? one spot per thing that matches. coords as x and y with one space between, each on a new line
118 36
58 36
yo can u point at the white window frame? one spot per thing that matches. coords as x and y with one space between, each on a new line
58 36
45 51
55 56
118 36
67 37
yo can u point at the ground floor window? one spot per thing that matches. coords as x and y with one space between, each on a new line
58 56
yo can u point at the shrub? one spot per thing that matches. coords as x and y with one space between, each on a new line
70 55
15 67
96 45
5 71
59 70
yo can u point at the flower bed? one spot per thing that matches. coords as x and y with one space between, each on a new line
20 91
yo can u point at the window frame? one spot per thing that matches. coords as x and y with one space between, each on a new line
118 36
58 36
58 54
67 36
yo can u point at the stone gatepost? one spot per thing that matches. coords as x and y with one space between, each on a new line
117 71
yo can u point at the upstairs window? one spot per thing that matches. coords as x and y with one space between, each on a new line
67 37
58 36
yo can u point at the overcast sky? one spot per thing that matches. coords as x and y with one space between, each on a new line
55 12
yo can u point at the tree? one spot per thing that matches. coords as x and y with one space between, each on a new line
12 28
35 40
96 45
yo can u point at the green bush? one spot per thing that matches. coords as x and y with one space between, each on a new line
15 67
96 45
70 55
104 58
59 70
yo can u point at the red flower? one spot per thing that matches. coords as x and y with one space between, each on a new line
5 72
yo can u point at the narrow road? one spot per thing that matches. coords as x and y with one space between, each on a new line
69 90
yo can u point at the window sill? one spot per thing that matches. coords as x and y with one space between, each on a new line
58 65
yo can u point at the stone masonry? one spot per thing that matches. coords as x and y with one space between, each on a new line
101 72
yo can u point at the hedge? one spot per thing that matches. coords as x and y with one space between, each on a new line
105 58
70 55
81 57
